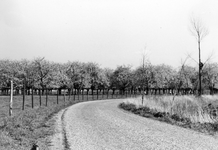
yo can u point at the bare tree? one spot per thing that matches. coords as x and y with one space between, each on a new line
143 77
199 31
178 80
144 73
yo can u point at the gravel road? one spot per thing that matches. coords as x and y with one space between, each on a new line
101 125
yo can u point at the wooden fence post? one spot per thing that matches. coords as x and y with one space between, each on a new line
57 96
74 94
97 93
78 92
32 98
40 97
64 96
87 94
82 94
46 99
24 92
102 94
11 100
112 93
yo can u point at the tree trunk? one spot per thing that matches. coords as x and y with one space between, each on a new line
64 97
59 91
69 93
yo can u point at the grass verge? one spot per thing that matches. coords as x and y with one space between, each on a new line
175 114
28 127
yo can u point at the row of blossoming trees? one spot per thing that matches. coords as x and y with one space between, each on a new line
43 74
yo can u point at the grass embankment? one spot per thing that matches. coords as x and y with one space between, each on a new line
30 126
197 113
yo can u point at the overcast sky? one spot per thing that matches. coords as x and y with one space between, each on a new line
108 32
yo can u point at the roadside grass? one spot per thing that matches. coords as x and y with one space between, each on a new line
30 126
33 126
197 113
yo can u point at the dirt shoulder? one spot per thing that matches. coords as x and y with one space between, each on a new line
57 140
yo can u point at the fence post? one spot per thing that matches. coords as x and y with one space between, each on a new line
57 96
46 101
32 98
102 94
112 93
24 92
97 93
74 94
11 100
64 96
78 92
82 94
87 94
40 97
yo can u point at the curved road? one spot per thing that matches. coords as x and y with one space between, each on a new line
101 125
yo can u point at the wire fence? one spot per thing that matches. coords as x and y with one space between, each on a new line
44 97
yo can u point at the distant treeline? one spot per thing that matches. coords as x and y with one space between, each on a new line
41 74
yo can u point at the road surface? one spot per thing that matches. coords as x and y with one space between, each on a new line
101 125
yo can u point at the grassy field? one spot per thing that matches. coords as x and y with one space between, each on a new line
198 113
52 100
24 128
34 125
